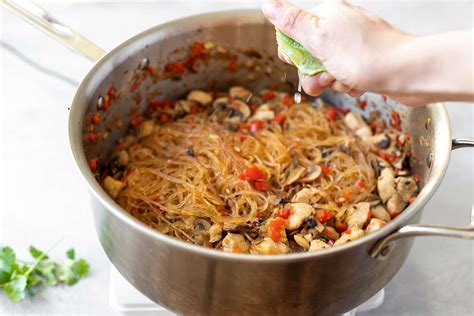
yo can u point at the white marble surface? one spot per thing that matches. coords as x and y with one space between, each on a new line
43 199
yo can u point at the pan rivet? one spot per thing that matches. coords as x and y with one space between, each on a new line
428 122
429 159
144 63
385 251
100 103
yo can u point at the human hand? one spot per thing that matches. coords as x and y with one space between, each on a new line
353 44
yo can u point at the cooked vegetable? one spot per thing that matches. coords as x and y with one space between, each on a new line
248 172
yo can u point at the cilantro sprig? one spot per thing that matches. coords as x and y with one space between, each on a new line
18 277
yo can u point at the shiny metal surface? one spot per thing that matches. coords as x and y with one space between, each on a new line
194 280
463 142
35 15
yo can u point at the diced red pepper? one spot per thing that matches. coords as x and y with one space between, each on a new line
411 200
393 215
236 249
384 98
197 49
106 104
416 177
93 164
254 174
285 213
325 169
165 118
362 104
93 137
242 137
361 184
138 98
288 100
232 66
279 118
261 185
348 231
396 120
244 126
330 233
323 216
95 119
341 227
268 95
176 68
276 227
343 110
331 114
150 70
194 110
346 194
256 125
136 120
111 92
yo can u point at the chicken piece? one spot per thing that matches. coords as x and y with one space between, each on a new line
294 175
184 106
299 213
349 235
407 187
306 195
356 123
317 245
241 93
202 97
374 224
263 115
380 212
112 186
395 204
235 243
146 128
268 247
379 141
215 233
386 184
358 215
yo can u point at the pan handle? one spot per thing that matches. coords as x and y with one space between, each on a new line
35 15
383 247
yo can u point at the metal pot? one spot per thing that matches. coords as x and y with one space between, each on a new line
193 280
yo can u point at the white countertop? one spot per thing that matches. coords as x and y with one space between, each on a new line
43 198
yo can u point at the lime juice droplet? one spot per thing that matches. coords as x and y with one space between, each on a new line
297 96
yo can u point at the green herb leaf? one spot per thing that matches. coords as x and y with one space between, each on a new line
72 271
71 254
36 253
7 261
47 270
15 289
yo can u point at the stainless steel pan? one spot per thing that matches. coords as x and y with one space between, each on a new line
192 280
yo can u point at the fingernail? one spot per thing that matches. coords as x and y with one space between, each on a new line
271 8
324 79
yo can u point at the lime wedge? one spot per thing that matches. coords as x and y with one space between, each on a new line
306 63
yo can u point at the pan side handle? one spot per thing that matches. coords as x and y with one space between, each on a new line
35 15
383 247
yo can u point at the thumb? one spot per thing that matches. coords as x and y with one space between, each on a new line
291 20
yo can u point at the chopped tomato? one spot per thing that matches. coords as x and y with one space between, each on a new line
93 164
111 92
416 177
276 227
164 118
106 105
288 100
361 184
341 227
236 249
348 231
242 137
136 120
343 110
323 216
384 98
197 49
285 213
245 126
325 169
232 66
393 215
138 98
254 174
176 67
395 120
346 194
194 110
279 118
255 126
135 85
149 70
331 114
261 185
268 95
93 137
330 233
362 104
95 119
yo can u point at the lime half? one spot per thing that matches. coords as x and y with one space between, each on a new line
306 63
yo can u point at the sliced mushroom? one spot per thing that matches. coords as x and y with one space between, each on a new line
215 233
240 108
299 213
349 235
267 246
407 187
146 128
205 98
184 106
201 224
263 115
301 241
356 123
235 243
374 224
295 174
112 186
317 245
241 93
379 141
358 215
386 184
312 174
306 195
380 212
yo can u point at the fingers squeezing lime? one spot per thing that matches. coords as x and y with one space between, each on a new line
306 63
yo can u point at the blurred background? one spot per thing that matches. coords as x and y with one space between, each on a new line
43 198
